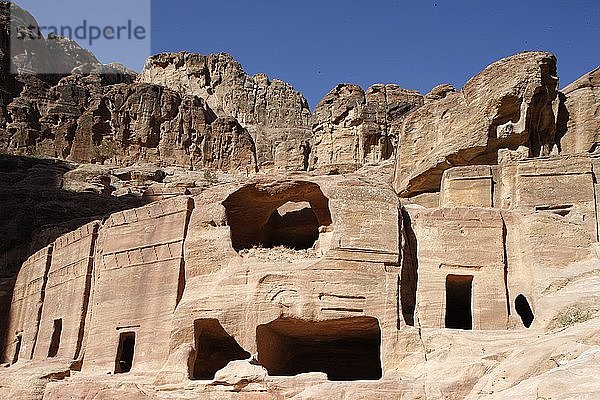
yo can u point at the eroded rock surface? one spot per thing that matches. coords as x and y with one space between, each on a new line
580 117
352 127
274 113
322 297
513 102
37 209
189 275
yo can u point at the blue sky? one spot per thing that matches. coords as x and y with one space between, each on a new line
315 44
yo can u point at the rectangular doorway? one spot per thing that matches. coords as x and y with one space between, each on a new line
125 353
55 341
459 313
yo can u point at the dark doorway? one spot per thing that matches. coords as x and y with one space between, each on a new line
125 353
345 349
55 341
19 340
458 302
524 310
215 348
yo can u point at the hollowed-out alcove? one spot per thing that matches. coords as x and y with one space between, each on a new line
345 349
215 348
524 310
125 353
459 313
286 213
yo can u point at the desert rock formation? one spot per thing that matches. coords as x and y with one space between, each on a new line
581 122
513 102
352 127
198 233
274 113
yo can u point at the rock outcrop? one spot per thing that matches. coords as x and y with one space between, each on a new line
30 61
36 208
352 127
579 122
93 118
164 267
87 112
513 102
32 53
143 122
274 113
322 297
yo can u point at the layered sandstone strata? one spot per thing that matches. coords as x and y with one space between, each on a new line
318 287
477 277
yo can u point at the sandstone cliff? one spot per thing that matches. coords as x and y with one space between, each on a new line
580 122
162 266
352 127
513 102
274 113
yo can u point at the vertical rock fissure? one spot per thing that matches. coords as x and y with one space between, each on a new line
505 260
86 294
182 273
42 297
409 270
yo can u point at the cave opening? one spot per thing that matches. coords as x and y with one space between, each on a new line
215 348
345 349
293 225
288 214
125 353
524 310
459 313
55 341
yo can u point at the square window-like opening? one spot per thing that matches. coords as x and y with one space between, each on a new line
125 353
55 341
459 314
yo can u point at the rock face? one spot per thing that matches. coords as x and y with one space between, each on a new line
352 127
513 102
69 275
322 298
88 112
580 125
143 122
36 208
274 113
32 53
93 113
20 62
88 118
170 269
